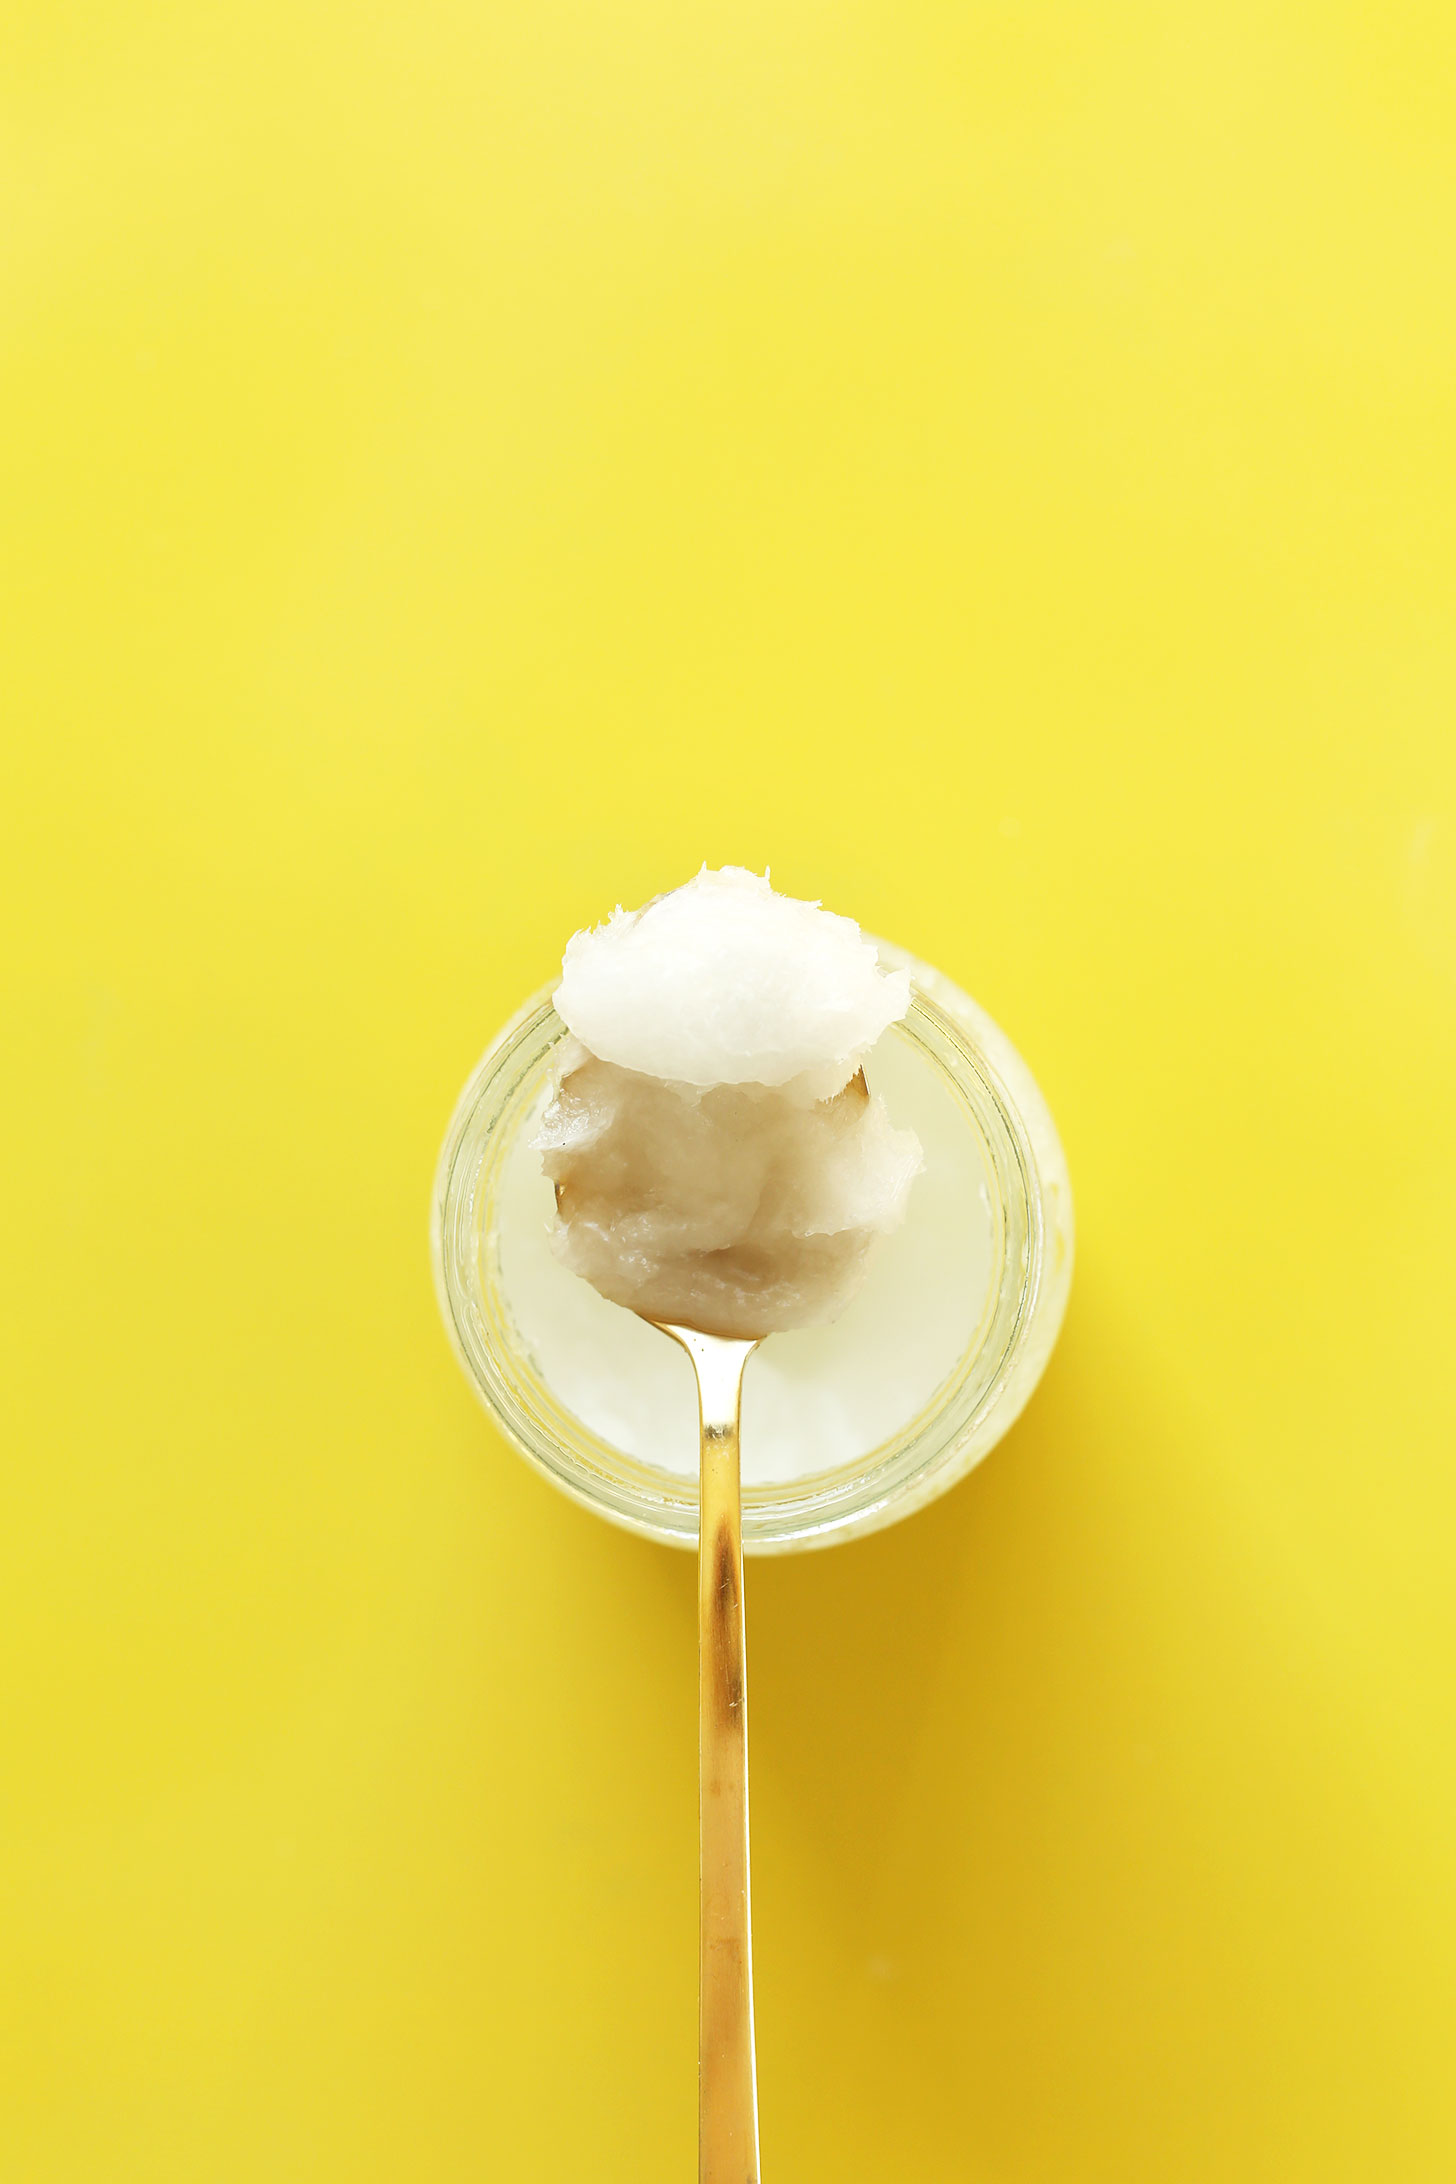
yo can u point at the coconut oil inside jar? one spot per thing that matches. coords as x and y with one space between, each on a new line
820 1398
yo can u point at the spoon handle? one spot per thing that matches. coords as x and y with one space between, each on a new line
727 2090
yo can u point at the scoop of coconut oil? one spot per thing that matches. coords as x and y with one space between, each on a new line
718 1158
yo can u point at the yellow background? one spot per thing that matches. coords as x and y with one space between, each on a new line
463 465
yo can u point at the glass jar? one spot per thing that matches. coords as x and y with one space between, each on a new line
845 1428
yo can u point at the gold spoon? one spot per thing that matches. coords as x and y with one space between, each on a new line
727 2084
727 2078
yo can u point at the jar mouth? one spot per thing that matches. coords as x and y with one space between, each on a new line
931 1450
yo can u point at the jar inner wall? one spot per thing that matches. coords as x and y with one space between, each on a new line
844 1427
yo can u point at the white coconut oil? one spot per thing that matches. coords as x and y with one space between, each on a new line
718 1159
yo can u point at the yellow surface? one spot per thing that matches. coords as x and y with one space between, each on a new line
464 464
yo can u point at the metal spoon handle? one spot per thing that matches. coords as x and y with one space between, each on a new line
727 2090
